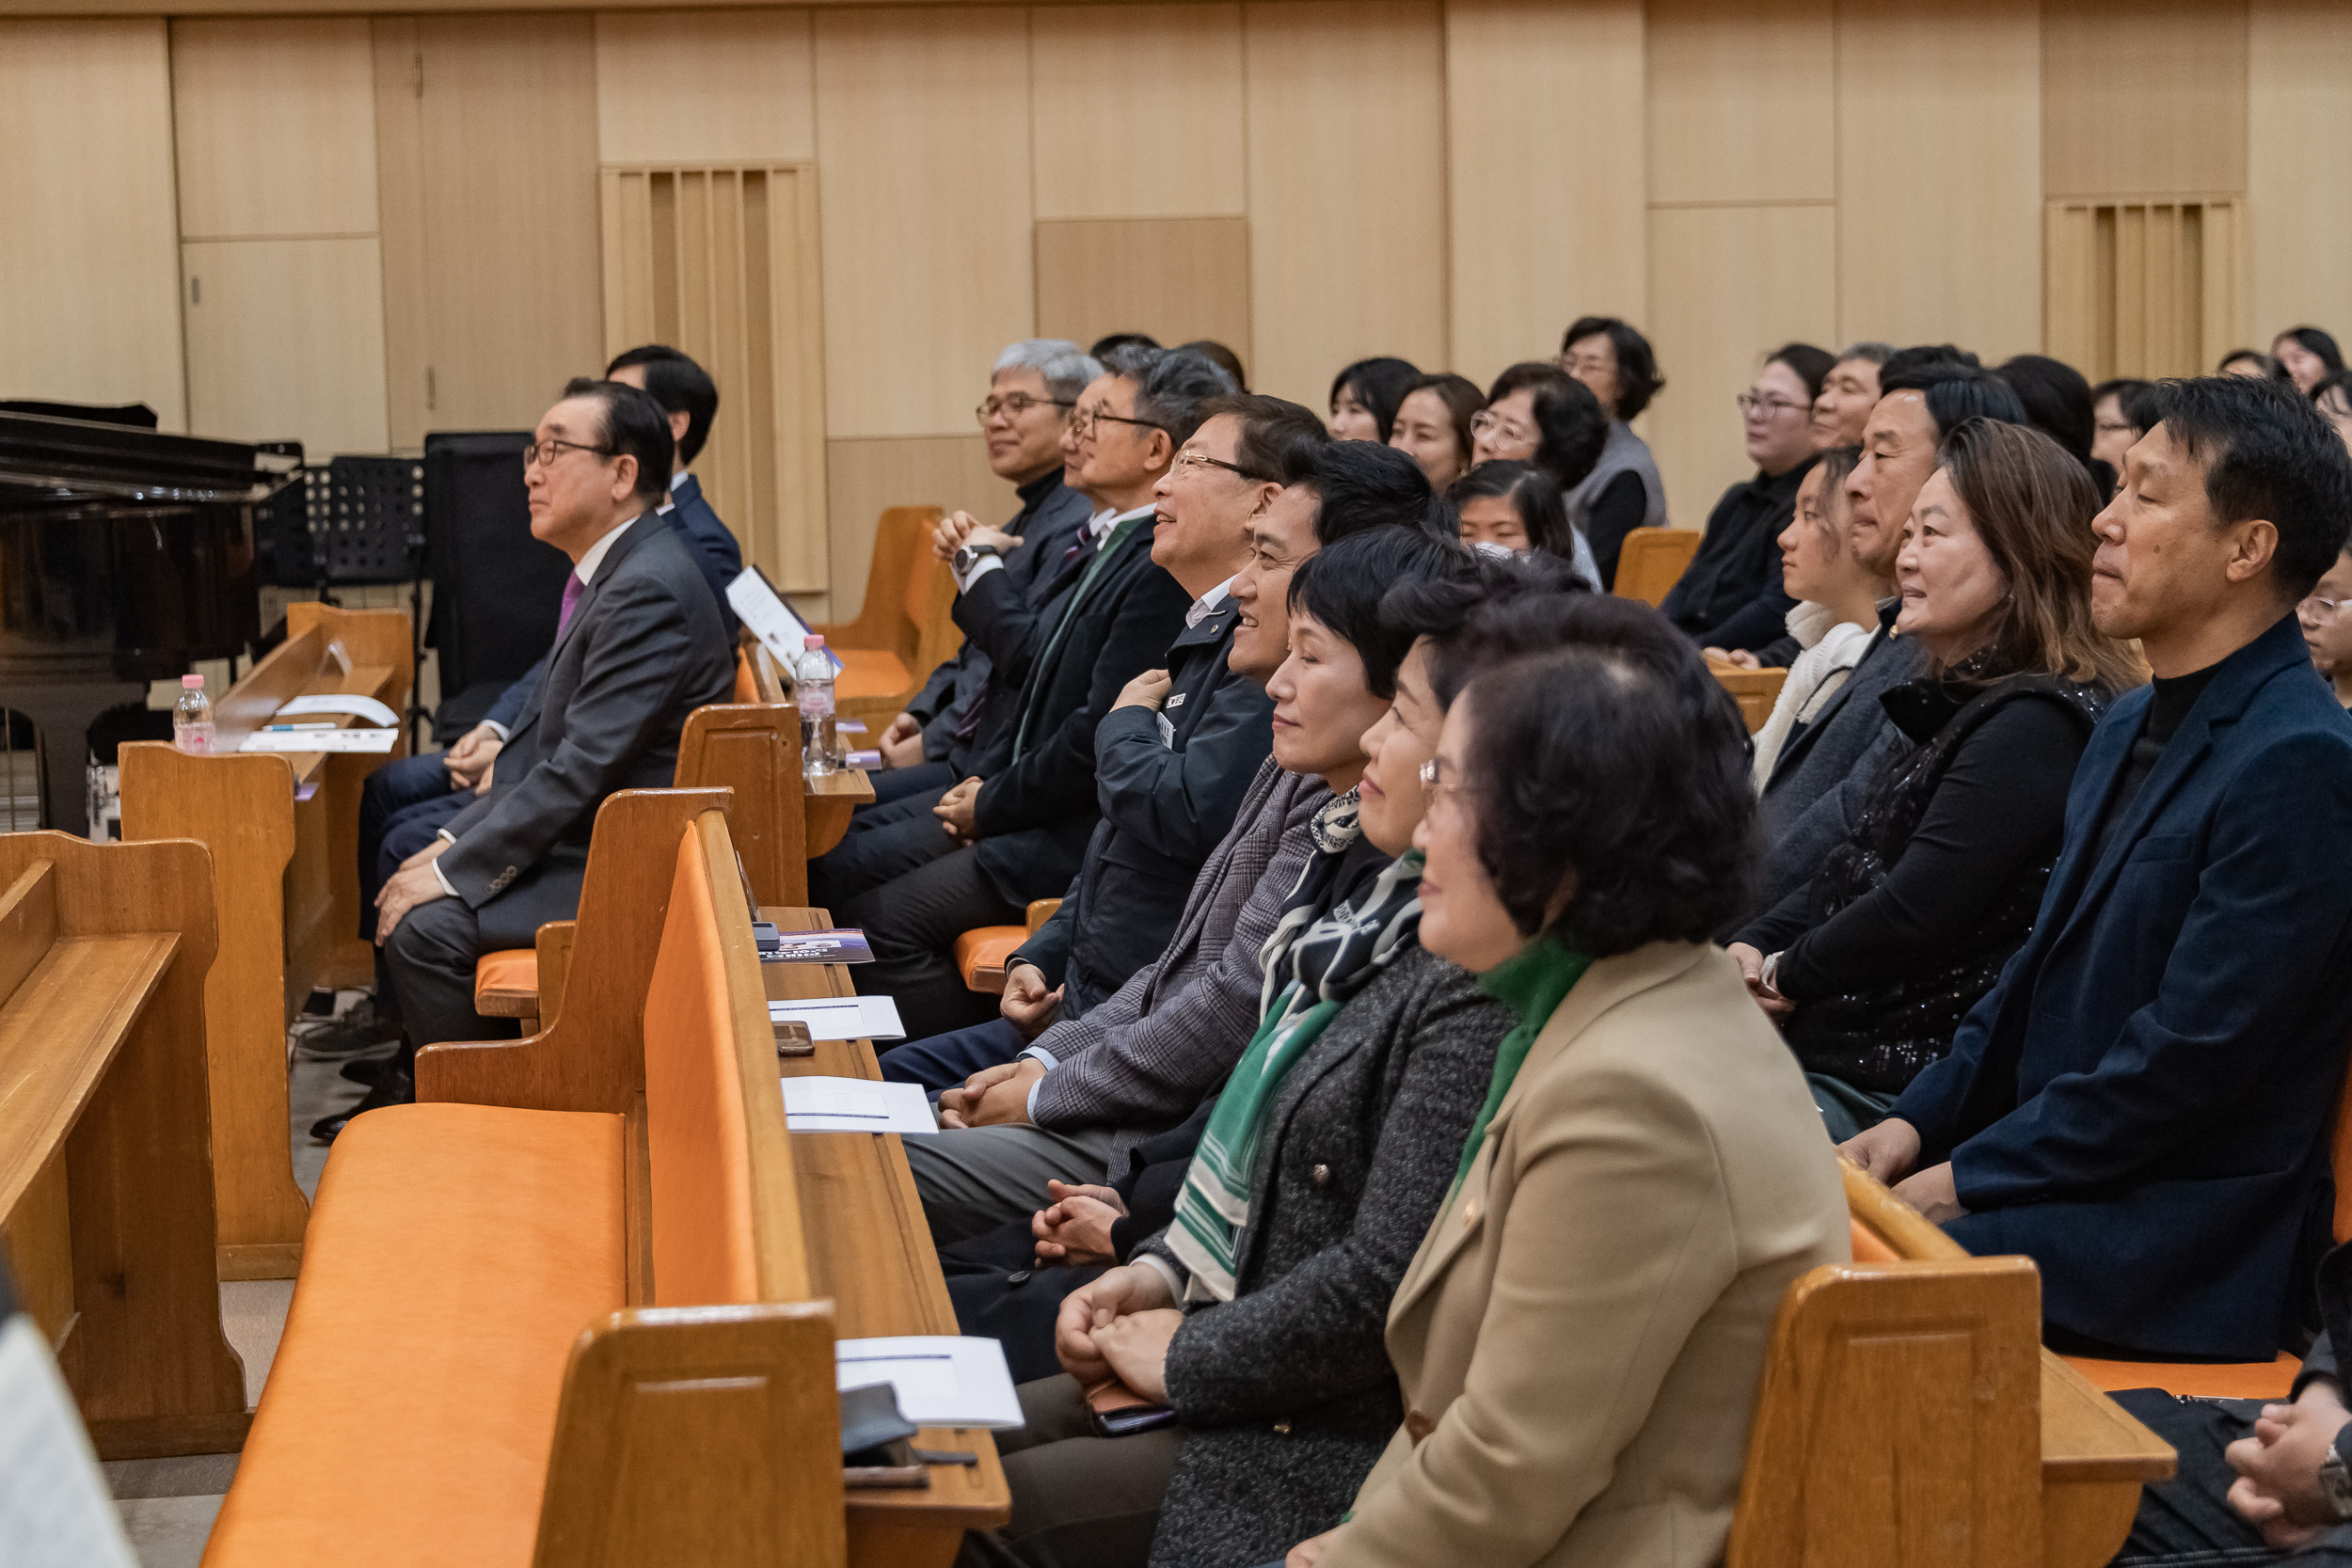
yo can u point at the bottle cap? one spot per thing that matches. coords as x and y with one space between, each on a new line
814 640
192 683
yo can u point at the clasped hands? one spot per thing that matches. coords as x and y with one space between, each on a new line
2277 1490
414 883
959 529
957 811
993 1097
1119 1327
1888 1151
469 761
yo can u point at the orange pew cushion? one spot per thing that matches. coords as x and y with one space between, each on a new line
869 673
454 1256
986 947
2229 1380
504 981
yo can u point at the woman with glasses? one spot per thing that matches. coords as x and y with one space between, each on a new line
1624 491
1579 1340
1256 1314
1730 598
2326 618
1537 412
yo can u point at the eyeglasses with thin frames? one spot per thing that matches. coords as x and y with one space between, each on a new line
1437 779
1487 422
544 452
1082 423
2323 608
1758 407
1202 460
1018 404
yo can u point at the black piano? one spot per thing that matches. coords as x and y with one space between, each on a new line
125 557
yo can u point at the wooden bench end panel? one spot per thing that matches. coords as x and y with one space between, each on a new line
708 1435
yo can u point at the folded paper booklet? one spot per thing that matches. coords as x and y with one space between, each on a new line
843 1017
941 1380
817 1104
844 945
329 702
320 741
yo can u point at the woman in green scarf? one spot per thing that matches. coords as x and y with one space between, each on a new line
1580 1337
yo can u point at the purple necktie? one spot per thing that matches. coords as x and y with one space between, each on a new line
573 589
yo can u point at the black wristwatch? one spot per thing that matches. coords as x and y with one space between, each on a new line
969 556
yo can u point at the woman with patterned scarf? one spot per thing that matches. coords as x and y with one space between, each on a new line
1257 1314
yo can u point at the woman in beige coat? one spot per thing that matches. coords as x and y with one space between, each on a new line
1582 1335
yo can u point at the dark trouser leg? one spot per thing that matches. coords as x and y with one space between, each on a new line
1078 1501
388 791
896 839
911 923
944 1061
431 958
2188 1520
897 784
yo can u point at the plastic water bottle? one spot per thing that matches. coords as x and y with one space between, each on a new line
812 689
192 717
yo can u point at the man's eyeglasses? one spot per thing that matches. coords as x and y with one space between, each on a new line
544 452
1756 407
1202 460
1017 403
1082 422
1486 422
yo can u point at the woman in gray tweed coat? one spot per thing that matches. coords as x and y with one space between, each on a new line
1258 1316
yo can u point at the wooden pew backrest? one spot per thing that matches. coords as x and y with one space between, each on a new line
887 620
1754 690
1651 561
590 1056
725 1209
755 751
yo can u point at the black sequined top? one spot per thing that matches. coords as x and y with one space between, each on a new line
1908 922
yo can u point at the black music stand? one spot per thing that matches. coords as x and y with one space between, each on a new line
496 591
367 524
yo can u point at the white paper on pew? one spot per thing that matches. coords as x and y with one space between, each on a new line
329 702
758 606
856 1105
941 1380
843 1017
55 1512
320 741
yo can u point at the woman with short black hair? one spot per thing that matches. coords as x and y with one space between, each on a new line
1581 1338
1514 507
1364 397
2308 355
1624 491
1432 426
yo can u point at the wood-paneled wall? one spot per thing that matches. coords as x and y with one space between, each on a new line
357 229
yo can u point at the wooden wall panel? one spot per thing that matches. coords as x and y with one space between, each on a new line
90 308
923 137
1347 188
1714 322
1176 279
862 477
1137 110
704 88
486 131
1742 101
1544 150
2143 98
2299 166
286 340
276 128
1939 173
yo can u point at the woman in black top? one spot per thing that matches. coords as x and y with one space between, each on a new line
1870 967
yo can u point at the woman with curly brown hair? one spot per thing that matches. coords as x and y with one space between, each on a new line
1870 967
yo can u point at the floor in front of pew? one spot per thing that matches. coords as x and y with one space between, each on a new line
168 1505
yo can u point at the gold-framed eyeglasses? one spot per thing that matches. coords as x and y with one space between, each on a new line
1017 403
544 452
1190 460
1756 405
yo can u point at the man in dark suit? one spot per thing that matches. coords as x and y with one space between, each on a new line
1174 757
638 649
406 803
1024 417
1017 828
2142 1103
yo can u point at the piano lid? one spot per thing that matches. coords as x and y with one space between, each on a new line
47 462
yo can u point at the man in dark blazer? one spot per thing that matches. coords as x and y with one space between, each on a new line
1025 418
2142 1103
406 803
1173 759
638 649
1017 828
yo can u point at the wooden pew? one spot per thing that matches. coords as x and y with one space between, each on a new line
286 889
614 1359
1909 1416
105 1163
904 629
1754 690
1651 561
869 1250
825 802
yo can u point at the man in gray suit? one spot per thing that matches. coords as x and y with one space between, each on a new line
638 647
